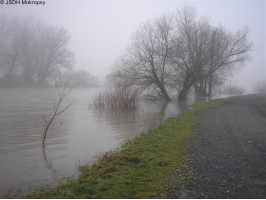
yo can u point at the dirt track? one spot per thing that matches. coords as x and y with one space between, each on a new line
227 154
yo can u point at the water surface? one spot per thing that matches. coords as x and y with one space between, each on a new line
76 137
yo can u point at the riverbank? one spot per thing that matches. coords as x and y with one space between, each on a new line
142 168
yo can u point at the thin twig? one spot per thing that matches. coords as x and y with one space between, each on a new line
57 110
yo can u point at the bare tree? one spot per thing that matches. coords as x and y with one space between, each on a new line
53 54
204 53
146 64
226 51
58 109
29 59
32 51
11 48
181 52
190 49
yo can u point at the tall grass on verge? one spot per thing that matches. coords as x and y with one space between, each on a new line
118 98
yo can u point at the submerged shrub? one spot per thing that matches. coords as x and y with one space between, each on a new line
117 98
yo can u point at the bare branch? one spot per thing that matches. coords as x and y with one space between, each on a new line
57 110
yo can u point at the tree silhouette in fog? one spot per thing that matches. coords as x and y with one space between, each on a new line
31 52
172 54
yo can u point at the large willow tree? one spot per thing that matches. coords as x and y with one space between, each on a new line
179 52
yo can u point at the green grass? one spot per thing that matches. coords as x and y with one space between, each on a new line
261 104
139 169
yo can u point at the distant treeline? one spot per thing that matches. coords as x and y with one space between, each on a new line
35 54
77 79
230 90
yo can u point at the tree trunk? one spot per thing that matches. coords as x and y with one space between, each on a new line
164 92
188 83
200 88
183 95
210 87
160 84
200 91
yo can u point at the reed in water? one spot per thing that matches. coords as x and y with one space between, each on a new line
117 98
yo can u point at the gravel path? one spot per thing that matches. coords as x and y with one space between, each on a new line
227 154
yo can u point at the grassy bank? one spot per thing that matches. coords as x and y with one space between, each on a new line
140 169
261 104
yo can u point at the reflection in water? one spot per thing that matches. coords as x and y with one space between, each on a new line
48 163
126 124
75 138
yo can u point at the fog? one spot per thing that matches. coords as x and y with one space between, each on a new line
136 46
100 31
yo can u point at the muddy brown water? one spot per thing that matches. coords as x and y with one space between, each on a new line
76 137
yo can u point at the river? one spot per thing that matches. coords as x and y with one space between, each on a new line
76 137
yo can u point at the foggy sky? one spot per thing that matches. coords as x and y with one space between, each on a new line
100 30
